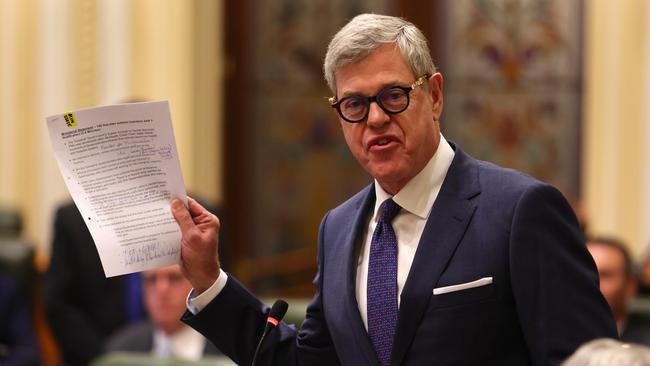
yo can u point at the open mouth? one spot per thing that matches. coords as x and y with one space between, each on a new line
382 142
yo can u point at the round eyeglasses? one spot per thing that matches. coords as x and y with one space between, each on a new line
392 100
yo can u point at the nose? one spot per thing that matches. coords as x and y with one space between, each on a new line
162 284
377 117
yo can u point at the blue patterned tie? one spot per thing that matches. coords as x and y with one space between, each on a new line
382 283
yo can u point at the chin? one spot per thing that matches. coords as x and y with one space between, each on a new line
386 172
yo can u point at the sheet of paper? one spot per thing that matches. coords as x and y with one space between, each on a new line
121 167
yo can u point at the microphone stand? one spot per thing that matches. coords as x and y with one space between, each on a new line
276 314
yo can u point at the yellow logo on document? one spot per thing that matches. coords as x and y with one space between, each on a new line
69 119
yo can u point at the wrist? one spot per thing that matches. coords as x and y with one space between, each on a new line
206 282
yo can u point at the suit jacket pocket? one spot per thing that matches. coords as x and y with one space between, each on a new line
462 294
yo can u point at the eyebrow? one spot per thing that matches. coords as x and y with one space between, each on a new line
383 86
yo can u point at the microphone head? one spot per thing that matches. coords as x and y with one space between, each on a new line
278 310
276 314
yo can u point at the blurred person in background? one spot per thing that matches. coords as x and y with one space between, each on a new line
609 352
18 346
83 307
163 334
619 286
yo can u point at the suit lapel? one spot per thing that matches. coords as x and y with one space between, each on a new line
448 221
357 226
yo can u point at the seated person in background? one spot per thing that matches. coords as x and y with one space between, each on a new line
165 291
18 345
618 284
608 352
83 307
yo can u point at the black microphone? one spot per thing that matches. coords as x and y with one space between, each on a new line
276 314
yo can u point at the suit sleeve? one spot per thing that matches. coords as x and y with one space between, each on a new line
554 278
235 319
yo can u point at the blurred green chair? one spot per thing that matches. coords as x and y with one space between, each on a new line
146 359
11 223
16 255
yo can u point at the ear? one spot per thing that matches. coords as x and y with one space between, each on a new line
435 87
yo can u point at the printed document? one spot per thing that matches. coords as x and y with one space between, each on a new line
121 167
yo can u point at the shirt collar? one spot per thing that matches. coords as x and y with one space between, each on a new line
419 193
185 344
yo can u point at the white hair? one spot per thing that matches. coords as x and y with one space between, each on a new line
365 32
609 352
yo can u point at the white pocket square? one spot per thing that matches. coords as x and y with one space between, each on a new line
463 286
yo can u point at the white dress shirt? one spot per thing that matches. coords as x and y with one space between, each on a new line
416 200
186 344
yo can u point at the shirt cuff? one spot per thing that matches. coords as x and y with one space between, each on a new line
197 303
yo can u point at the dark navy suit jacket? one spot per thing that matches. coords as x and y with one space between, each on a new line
18 346
487 221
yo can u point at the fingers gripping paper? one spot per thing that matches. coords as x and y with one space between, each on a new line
121 167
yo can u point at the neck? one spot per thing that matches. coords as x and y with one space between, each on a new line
392 188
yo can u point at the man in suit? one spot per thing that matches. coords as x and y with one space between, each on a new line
443 260
163 334
619 286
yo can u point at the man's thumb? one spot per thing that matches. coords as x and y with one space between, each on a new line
182 215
